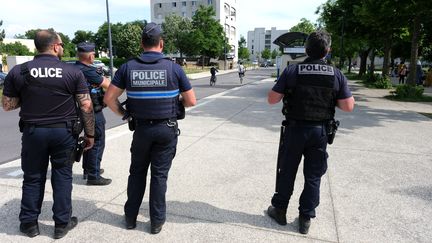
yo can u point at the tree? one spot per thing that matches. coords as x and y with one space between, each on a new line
15 49
2 32
275 53
176 31
304 26
83 36
243 52
101 37
128 40
207 36
266 54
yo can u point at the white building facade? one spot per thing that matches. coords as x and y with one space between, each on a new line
226 13
260 39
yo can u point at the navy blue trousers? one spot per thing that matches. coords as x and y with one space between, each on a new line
92 158
38 146
154 146
309 141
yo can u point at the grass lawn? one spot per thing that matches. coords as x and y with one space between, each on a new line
195 69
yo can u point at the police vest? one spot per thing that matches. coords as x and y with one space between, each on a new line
313 98
96 93
152 92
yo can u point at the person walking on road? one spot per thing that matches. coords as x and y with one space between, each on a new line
310 92
153 85
46 90
96 84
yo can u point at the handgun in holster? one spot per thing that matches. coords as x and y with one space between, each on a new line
331 128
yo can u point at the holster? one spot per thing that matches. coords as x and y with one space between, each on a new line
331 129
21 125
77 127
79 149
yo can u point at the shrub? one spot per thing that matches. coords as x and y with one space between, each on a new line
405 91
377 81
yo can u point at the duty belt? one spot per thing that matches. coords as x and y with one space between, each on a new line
52 125
139 122
291 122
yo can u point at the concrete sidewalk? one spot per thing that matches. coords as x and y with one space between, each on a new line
377 187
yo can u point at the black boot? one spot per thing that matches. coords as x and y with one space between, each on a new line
130 222
156 228
304 224
99 182
30 229
61 230
277 214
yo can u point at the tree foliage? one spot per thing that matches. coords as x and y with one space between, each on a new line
266 53
177 30
304 26
128 40
15 49
83 36
207 37
243 52
2 32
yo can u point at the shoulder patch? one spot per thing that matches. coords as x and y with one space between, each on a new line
315 69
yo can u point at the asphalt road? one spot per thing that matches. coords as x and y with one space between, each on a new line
10 148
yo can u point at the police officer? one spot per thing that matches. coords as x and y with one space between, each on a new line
46 89
153 85
310 91
96 84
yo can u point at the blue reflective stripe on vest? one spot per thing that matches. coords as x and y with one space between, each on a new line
152 94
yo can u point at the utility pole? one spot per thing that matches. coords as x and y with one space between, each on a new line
110 43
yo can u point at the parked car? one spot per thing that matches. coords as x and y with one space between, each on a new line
2 78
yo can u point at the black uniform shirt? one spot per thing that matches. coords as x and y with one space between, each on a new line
40 105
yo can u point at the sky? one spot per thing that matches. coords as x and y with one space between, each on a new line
69 16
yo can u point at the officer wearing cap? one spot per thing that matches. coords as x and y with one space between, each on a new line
310 91
47 90
96 84
153 84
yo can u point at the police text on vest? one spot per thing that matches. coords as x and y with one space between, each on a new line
46 72
315 69
149 78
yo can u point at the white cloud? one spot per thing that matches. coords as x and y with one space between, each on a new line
282 14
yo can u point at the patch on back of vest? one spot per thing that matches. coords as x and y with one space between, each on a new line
315 69
149 78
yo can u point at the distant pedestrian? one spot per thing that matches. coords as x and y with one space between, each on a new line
428 81
403 71
419 73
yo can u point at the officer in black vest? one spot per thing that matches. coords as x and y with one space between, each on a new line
47 90
96 84
153 84
310 91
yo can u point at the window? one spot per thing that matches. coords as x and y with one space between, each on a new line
184 14
183 3
174 4
193 3
233 12
233 31
160 5
210 2
252 48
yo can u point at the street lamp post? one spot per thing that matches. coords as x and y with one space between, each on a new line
225 44
110 42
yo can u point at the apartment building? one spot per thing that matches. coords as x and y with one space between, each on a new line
226 13
260 39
